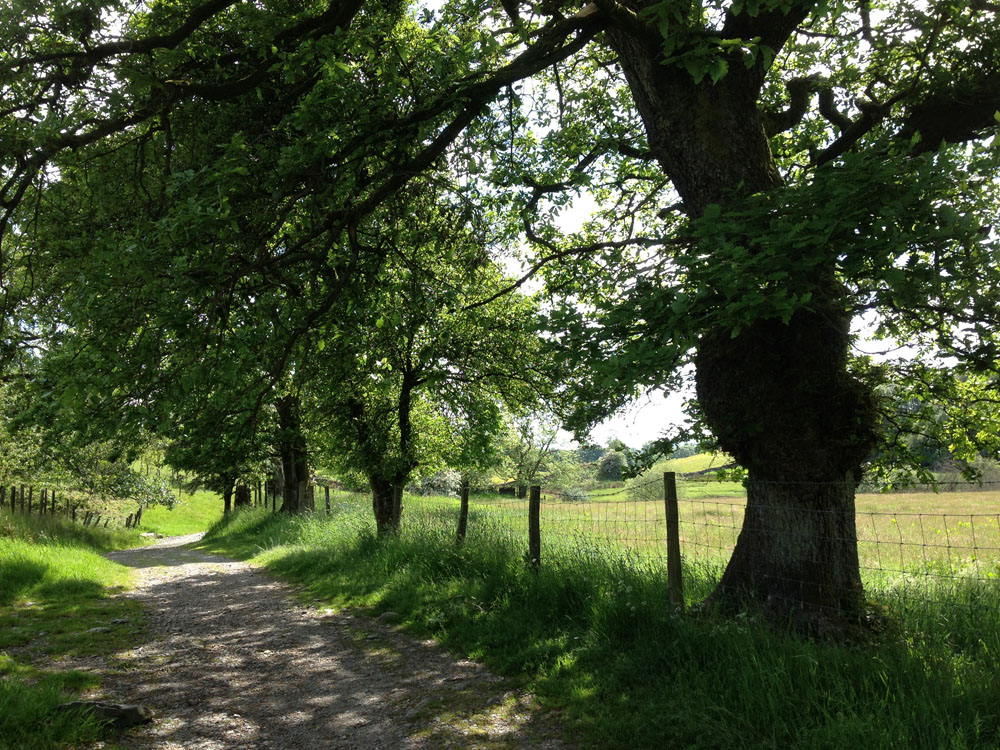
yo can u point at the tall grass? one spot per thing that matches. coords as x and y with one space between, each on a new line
55 588
593 634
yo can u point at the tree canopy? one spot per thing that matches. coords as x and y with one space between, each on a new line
765 174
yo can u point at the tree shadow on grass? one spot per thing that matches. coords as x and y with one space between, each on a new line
71 588
17 577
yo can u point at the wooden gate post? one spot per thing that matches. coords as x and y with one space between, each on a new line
534 528
327 500
674 582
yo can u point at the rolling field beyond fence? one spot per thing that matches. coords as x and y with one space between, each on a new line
918 546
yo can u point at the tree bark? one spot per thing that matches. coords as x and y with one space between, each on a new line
387 505
781 402
227 497
777 396
241 496
292 451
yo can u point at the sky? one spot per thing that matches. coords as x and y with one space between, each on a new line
646 420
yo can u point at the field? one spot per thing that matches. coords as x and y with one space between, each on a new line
193 512
906 532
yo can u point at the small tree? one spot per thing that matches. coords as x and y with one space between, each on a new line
421 356
611 467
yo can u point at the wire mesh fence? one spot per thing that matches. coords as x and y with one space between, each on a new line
913 548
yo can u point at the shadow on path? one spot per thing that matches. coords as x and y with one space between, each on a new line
237 663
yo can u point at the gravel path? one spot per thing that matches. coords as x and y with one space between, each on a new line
234 662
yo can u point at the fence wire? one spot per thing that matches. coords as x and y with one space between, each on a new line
939 551
912 547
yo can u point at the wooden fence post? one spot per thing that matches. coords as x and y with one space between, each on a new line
463 513
22 498
674 582
534 528
3 494
31 494
327 500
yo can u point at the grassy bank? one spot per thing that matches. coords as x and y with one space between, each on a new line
193 512
593 635
55 589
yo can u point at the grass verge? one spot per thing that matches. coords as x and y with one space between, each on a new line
593 635
57 599
192 513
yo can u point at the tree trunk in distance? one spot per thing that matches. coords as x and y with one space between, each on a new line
384 504
294 459
241 496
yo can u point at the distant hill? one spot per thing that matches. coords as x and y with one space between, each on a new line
698 463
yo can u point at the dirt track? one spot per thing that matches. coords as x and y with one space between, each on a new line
232 661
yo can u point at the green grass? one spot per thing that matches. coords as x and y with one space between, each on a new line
593 635
697 462
193 513
55 587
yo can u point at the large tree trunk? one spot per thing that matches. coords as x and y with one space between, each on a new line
780 401
294 459
777 396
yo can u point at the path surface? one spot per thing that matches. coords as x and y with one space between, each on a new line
233 661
